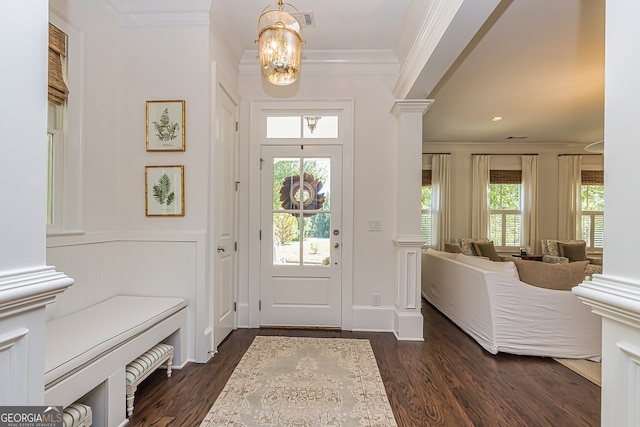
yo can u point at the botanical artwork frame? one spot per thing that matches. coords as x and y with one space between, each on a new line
164 190
165 125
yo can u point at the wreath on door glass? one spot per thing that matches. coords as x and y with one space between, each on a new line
295 192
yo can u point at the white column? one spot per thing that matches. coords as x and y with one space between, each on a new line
408 240
26 284
615 295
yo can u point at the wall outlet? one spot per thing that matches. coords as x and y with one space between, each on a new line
375 299
375 225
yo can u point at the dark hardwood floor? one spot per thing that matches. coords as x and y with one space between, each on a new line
447 380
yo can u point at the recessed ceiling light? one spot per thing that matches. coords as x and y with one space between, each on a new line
496 118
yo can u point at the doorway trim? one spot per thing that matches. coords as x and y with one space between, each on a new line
259 111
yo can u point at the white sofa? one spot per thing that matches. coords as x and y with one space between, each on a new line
489 302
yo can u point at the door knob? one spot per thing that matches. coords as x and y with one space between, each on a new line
221 248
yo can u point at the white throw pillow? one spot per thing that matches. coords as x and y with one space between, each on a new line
508 268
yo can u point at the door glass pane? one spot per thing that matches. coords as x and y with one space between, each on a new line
286 239
317 184
301 218
286 171
283 127
317 242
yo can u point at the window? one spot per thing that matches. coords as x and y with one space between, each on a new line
306 126
64 129
425 217
505 214
57 96
592 194
55 155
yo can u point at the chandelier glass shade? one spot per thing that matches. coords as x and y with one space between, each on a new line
280 43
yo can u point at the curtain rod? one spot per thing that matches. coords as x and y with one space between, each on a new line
586 154
437 153
504 154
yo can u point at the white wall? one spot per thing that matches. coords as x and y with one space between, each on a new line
461 169
126 62
374 168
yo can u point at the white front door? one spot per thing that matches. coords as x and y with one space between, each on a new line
301 236
224 265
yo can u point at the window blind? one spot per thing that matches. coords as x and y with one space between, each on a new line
505 176
426 177
58 90
592 177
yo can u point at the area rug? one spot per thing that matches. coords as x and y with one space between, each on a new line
586 368
304 382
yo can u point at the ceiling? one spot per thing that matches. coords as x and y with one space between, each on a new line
539 64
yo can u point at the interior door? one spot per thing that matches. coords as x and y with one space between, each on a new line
301 280
224 257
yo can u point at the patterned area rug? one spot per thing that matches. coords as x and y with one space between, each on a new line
304 382
586 368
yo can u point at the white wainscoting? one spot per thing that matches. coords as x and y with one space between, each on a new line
94 268
146 264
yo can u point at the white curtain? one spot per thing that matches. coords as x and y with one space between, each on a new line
480 197
569 197
440 201
530 234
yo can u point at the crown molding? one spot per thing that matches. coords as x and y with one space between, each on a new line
157 12
338 61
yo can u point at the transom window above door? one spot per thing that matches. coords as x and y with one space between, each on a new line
302 126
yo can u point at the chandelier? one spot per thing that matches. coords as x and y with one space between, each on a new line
280 42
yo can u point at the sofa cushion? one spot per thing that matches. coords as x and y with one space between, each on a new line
573 251
466 244
452 248
487 250
507 268
551 276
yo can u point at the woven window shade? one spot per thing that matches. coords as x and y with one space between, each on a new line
426 178
58 90
592 177
505 177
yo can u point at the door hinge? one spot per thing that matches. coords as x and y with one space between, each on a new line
235 306
261 161
236 126
235 246
236 185
260 235
259 305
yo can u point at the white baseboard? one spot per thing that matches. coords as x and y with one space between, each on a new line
372 318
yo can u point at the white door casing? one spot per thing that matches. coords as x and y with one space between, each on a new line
224 254
260 111
301 281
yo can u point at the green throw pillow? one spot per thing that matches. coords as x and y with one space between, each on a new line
487 250
573 251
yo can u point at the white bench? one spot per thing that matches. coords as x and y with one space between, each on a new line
143 366
87 351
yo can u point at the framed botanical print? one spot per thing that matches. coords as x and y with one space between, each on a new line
164 190
165 126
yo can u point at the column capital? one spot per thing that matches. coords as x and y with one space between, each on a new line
404 106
